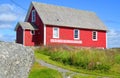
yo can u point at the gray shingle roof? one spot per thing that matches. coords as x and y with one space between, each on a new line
26 25
62 16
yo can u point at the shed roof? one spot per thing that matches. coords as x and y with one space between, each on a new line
26 25
63 16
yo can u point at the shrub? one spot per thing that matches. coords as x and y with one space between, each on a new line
102 67
79 59
115 68
91 59
61 56
117 58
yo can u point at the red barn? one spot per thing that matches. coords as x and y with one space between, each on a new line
48 24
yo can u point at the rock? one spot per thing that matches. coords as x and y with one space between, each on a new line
15 60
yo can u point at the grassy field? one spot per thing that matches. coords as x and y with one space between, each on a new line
83 76
39 71
91 61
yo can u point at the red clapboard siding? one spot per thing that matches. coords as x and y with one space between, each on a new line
29 39
38 38
68 34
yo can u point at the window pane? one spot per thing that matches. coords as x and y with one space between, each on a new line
33 16
94 35
76 33
55 33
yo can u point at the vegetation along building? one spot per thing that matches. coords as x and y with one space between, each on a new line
48 24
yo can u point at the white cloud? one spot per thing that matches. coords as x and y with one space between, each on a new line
5 26
6 8
113 33
8 17
113 38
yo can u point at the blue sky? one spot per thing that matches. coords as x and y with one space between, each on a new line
12 11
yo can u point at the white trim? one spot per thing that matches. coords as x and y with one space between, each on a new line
44 35
78 34
54 32
96 36
23 37
65 41
106 40
33 15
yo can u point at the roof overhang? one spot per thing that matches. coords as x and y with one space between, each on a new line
26 25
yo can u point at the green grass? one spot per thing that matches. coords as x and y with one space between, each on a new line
84 76
38 71
90 61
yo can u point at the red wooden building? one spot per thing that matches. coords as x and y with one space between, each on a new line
48 24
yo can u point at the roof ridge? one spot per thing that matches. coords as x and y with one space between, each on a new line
63 7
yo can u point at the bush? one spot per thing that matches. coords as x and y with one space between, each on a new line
115 68
90 59
102 67
117 58
61 56
79 59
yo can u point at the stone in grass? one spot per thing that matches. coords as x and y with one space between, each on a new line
15 60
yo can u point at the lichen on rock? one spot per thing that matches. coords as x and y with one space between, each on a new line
15 60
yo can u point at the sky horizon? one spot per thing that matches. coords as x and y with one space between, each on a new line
13 11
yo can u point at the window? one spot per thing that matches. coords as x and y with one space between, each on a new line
94 35
76 34
33 16
32 32
55 32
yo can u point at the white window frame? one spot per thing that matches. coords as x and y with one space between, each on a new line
32 32
95 35
77 33
54 32
33 16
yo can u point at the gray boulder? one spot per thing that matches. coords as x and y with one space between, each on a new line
15 60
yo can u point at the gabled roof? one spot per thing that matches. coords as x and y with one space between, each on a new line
26 25
62 16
